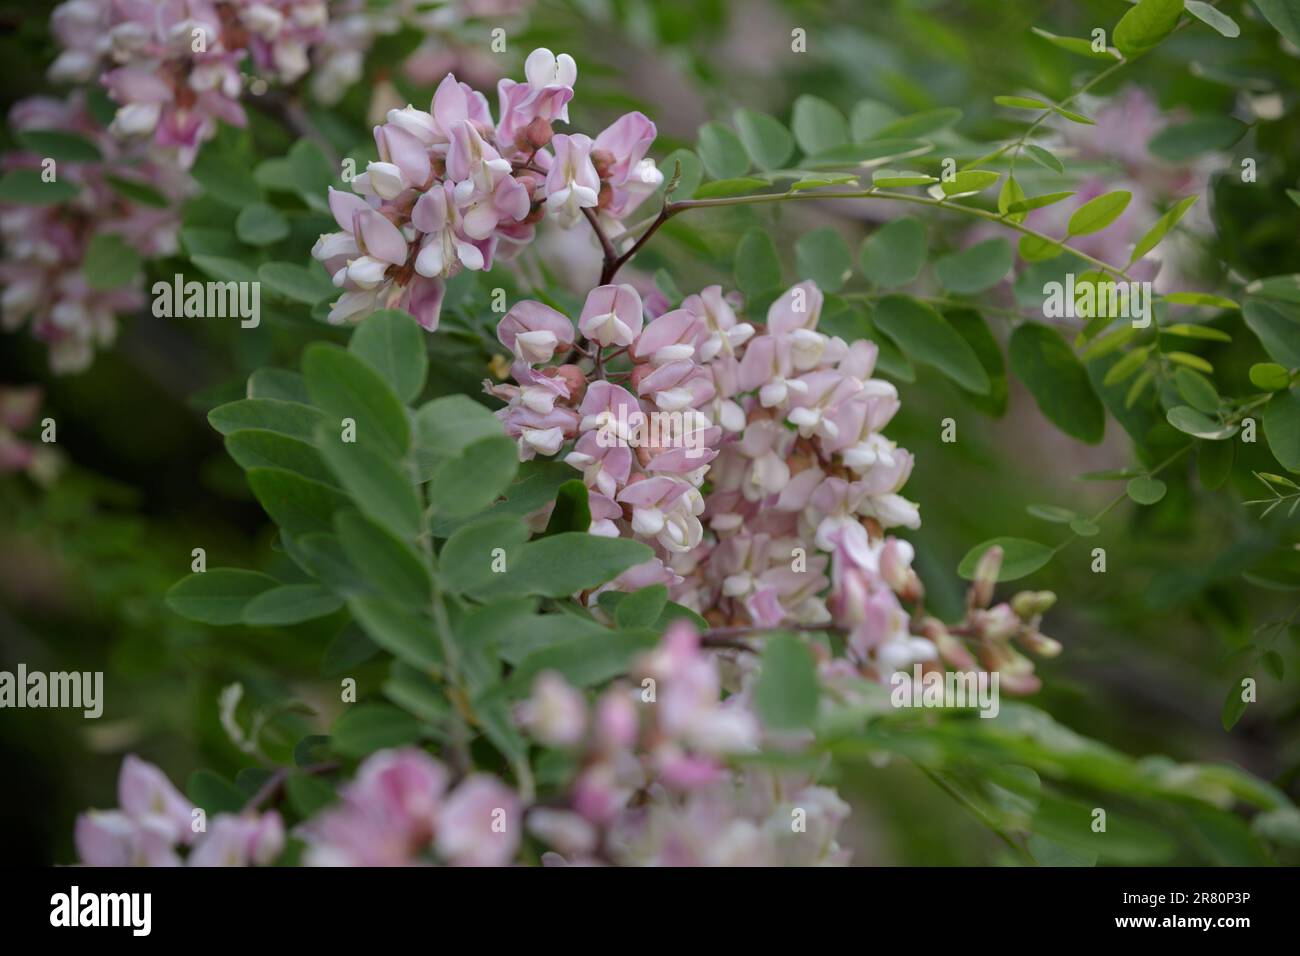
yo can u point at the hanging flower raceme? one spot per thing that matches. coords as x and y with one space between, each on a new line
45 244
176 68
453 190
753 462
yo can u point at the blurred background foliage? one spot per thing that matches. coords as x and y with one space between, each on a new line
1153 646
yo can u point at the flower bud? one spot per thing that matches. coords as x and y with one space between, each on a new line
986 576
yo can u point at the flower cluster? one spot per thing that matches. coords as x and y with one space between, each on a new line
46 244
175 68
398 810
751 459
654 787
452 189
154 822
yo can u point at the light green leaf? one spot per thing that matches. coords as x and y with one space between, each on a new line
823 256
379 487
261 448
1198 390
1277 324
1038 202
297 283
1022 102
1269 376
900 178
1213 17
1043 158
408 636
818 126
1191 422
1097 214
722 152
968 182
284 418
389 565
564 564
919 124
764 137
468 482
1284 15
1146 490
1020 557
260 225
1161 228
893 256
1146 24
1076 45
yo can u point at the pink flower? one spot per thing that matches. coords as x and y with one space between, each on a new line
612 315
480 823
572 184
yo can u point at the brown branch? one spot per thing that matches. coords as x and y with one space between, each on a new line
271 791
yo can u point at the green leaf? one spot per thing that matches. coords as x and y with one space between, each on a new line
393 344
1021 102
110 263
1146 490
297 283
59 145
467 483
389 565
1191 422
25 187
642 608
788 690
1213 17
1277 324
229 183
1199 298
213 793
587 660
976 268
690 170
1038 202
1282 428
740 186
1269 376
893 256
1020 557
1198 390
1196 332
722 152
919 124
224 268
823 256
260 448
290 604
308 795
564 564
1052 513
1097 214
445 426
1161 228
137 192
765 139
1201 134
284 418
467 561
217 596
379 487
968 182
1058 381
927 337
1076 45
1214 463
344 386
900 178
868 117
1234 706
1043 158
1072 116
818 126
297 504
260 225
1146 24
366 728
408 636
758 267
572 511
970 325
278 383
1284 15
